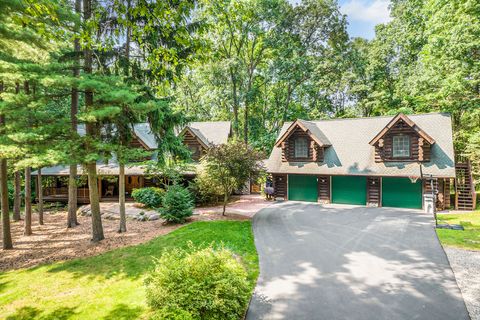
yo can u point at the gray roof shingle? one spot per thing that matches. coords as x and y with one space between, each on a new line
212 132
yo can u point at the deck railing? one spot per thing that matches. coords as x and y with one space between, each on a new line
63 192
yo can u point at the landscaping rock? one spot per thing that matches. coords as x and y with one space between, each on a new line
154 217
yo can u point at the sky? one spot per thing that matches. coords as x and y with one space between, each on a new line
363 15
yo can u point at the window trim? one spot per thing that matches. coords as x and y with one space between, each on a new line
409 149
304 151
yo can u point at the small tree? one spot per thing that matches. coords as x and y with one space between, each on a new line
177 204
231 165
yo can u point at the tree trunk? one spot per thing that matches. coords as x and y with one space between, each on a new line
72 197
4 206
236 129
28 202
40 197
121 168
17 200
225 200
97 228
121 198
245 125
7 236
72 175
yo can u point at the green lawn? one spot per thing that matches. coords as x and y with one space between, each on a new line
110 286
468 238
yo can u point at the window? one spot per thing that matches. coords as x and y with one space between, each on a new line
195 150
401 146
301 148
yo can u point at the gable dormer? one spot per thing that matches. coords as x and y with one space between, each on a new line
195 142
401 140
303 141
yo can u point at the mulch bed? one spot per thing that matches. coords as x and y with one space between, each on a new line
54 242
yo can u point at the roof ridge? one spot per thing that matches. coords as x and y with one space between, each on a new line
379 117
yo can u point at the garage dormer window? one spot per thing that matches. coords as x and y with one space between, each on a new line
301 148
401 146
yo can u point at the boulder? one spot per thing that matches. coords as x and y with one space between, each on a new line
153 217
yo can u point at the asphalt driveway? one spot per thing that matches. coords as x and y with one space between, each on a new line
346 262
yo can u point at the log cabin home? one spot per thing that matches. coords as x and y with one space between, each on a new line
198 137
378 161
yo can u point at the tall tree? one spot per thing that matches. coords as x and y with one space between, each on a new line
7 237
72 220
92 134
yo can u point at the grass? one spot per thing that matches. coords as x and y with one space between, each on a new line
466 239
110 286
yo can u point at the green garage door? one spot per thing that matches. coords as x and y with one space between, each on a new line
349 190
302 188
401 193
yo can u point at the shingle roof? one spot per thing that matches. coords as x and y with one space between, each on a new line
144 133
212 132
106 169
351 154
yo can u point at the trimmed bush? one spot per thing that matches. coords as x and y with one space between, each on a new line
205 283
177 204
171 314
150 197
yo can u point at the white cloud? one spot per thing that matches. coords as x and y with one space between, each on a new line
375 11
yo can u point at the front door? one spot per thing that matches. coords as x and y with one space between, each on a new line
132 182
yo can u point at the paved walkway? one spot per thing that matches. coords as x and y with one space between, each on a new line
346 262
245 205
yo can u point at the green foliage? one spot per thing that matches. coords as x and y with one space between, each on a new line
151 197
171 313
110 285
468 238
177 204
205 189
208 283
230 166
266 62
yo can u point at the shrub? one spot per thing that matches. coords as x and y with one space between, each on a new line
177 204
150 197
205 190
207 283
171 314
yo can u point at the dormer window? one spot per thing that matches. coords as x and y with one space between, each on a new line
401 146
301 148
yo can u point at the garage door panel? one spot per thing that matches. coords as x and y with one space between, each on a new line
303 188
349 190
401 193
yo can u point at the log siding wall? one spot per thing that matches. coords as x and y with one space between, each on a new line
419 148
315 152
442 189
324 189
374 192
192 142
280 187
